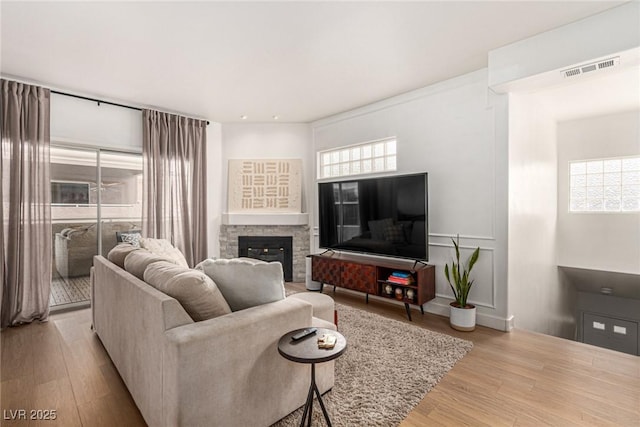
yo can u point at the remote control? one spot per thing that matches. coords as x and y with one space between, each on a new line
304 333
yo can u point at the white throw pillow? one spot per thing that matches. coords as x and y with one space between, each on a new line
196 292
246 283
164 248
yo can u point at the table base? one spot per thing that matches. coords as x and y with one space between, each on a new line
308 406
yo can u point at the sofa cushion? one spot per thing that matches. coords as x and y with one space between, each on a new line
120 252
137 261
246 283
164 248
193 289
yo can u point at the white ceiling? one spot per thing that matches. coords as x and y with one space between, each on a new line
301 61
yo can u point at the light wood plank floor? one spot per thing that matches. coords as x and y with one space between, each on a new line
517 378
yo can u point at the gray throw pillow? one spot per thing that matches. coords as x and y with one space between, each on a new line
246 283
119 252
137 261
165 249
194 290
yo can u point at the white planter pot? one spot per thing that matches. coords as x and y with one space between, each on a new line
462 319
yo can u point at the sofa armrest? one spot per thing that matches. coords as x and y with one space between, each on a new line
234 358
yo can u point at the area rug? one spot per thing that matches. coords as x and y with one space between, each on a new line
388 368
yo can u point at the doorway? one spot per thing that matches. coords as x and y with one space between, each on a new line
94 194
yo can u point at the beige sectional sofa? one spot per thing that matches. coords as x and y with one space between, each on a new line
225 371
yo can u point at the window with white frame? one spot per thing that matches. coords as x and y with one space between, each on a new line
605 185
369 157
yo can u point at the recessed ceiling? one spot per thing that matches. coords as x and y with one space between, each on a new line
301 61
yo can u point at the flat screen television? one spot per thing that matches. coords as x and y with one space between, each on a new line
382 216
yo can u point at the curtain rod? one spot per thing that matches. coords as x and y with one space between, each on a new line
99 101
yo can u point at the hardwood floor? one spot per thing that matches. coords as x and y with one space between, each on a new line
61 365
517 378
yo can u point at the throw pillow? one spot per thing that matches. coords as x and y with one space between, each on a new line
245 283
132 237
119 253
377 228
394 233
193 289
164 248
137 261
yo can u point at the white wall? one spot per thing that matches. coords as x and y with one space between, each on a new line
250 141
456 131
597 241
539 298
267 141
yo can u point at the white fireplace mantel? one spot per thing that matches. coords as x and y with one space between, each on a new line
267 218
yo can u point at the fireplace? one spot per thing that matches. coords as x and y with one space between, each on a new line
269 248
299 233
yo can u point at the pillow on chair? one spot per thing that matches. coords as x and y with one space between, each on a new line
165 249
246 283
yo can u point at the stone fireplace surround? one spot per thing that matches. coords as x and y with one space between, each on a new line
300 234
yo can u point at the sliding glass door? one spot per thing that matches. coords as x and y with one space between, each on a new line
120 196
74 216
94 194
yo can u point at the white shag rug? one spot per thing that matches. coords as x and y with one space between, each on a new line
388 368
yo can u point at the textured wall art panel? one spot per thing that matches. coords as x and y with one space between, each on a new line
265 185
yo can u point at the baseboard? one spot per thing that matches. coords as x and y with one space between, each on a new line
442 309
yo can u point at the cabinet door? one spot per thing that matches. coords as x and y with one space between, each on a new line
325 270
608 332
359 277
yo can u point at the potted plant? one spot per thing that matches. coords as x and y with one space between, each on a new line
463 314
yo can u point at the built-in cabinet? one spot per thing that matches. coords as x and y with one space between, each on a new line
610 322
374 277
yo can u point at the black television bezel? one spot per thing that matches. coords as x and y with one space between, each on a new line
355 179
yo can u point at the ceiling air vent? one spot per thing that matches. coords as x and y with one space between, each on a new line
589 68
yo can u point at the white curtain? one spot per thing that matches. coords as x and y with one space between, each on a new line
26 204
174 203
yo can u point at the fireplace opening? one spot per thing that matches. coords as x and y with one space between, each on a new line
269 248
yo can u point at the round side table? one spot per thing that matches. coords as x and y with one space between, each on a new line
306 351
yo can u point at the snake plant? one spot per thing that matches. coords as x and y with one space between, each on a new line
458 275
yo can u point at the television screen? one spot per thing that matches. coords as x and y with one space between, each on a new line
75 193
384 216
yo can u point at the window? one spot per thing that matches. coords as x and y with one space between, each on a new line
370 157
605 185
